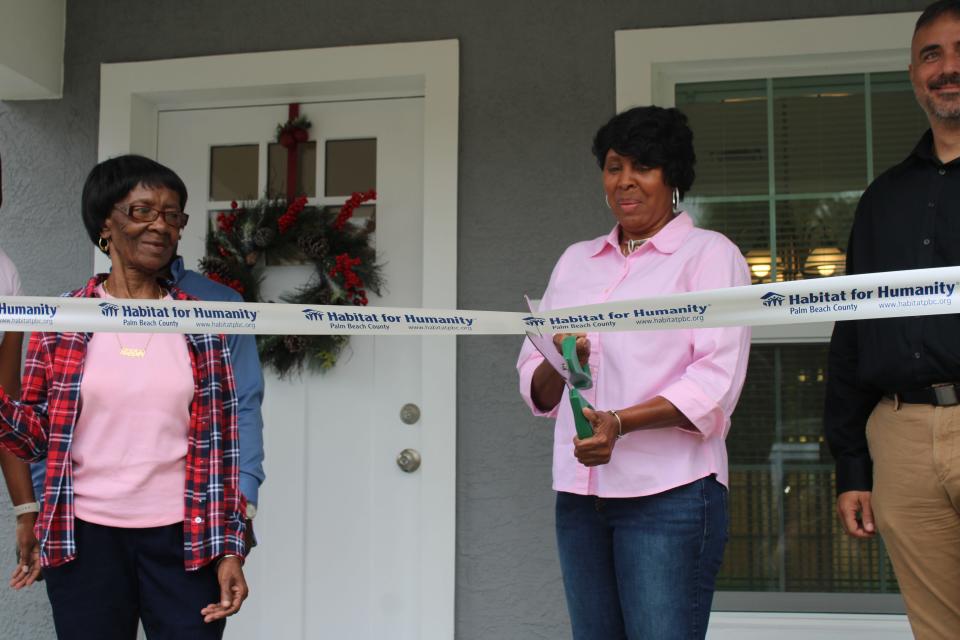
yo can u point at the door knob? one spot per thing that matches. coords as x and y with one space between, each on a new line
410 413
409 460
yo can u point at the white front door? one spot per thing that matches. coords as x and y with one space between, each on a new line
345 550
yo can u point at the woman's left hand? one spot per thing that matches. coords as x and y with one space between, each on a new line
598 448
233 590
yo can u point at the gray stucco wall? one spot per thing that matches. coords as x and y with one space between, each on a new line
537 78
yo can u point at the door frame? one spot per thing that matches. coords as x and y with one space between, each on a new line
133 93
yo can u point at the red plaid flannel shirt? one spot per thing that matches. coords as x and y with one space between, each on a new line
41 425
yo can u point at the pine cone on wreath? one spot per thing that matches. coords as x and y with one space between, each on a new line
313 247
263 236
294 344
213 264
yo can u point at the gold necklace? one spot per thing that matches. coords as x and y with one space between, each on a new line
133 352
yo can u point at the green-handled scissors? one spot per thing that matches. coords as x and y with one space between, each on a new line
579 379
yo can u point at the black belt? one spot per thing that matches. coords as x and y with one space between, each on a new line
939 395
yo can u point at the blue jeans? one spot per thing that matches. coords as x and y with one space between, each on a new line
642 568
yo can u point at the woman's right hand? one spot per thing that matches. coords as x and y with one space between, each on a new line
583 346
28 553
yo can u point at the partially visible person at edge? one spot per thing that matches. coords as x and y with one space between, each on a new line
15 472
641 507
142 516
892 417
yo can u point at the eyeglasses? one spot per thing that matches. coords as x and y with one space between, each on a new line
143 213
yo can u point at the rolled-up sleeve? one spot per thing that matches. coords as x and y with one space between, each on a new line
528 362
24 424
710 386
530 358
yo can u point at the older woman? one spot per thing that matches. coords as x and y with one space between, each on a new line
641 509
141 517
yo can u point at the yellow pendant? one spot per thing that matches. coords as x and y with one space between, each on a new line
132 352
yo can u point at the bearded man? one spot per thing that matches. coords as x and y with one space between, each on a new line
892 411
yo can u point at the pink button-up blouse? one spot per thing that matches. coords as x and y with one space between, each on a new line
700 371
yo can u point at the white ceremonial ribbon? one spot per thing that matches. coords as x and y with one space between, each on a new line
890 294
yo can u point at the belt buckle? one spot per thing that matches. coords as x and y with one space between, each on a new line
946 394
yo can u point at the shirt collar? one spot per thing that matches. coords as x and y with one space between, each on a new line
177 270
89 290
924 151
667 240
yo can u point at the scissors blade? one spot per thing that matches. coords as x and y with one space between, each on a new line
544 344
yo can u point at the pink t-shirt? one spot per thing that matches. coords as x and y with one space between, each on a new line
700 371
129 447
9 279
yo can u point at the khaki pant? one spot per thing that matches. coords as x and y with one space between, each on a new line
916 503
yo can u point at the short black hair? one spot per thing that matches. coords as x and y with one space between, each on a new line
935 10
110 181
655 137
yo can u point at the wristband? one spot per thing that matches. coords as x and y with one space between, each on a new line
231 555
26 507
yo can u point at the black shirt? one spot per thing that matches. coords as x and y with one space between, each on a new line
909 218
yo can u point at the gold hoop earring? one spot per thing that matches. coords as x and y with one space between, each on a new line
104 245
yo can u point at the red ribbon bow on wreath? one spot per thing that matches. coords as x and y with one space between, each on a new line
290 134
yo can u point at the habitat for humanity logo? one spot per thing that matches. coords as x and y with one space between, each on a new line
772 299
312 314
109 309
142 315
532 321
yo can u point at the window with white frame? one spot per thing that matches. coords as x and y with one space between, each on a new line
781 165
784 151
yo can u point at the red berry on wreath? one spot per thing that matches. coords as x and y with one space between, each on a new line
300 135
287 140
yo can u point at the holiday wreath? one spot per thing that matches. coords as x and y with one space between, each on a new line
242 240
345 266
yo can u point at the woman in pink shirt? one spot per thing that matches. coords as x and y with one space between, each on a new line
641 511
142 517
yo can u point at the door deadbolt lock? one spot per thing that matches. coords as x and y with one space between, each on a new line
409 460
410 413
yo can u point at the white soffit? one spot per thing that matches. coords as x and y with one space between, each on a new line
31 49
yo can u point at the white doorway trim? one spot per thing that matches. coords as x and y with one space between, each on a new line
131 96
